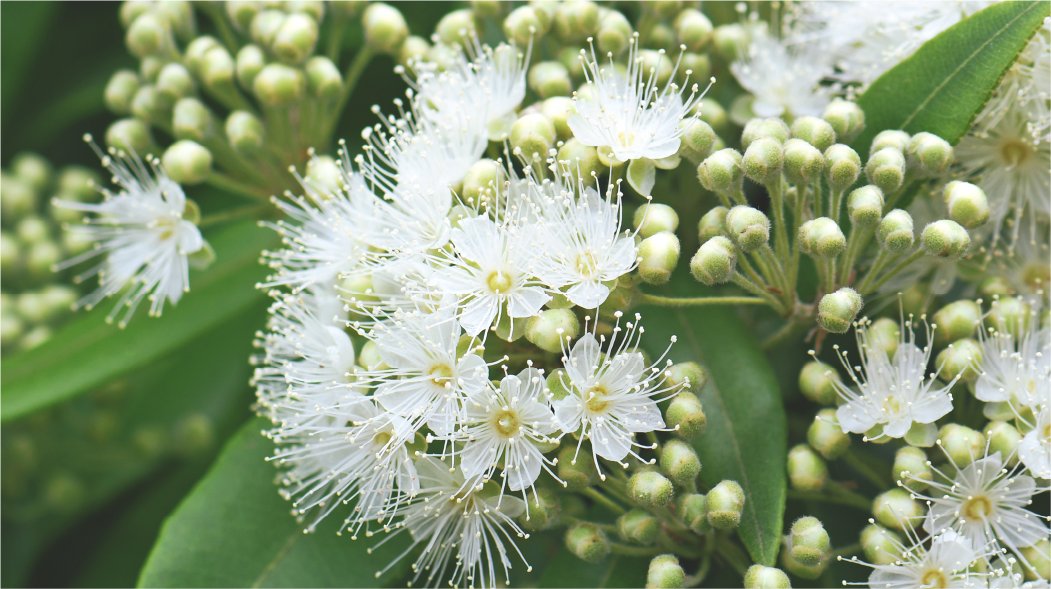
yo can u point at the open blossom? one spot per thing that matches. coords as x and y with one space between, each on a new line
946 562
1035 448
1015 365
145 234
783 80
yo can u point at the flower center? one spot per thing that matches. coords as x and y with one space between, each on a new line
587 266
1014 152
977 508
506 423
1036 275
935 579
598 399
381 439
626 138
891 405
499 281
440 374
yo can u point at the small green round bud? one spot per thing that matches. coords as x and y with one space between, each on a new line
730 41
806 470
929 153
33 170
250 61
295 39
369 357
658 256
892 139
693 29
650 489
147 35
842 166
865 206
244 131
558 110
120 90
837 310
886 169
698 139
895 231
241 12
63 493
912 468
77 182
761 577
385 28
42 257
896 509
826 436
721 172
638 526
771 128
804 163
218 68
665 572
575 468
150 105
1038 560
614 32
457 27
822 238
323 78
550 78
961 444
945 239
712 223
967 204
960 359
679 461
1003 438
523 24
809 540
179 16
884 334
817 382
713 113
763 160
191 119
583 158
549 329
175 81
413 50
130 135
587 542
324 175
685 415
956 320
12 329
652 218
545 510
32 229
532 135
692 509
482 181
747 227
193 57
725 504
847 118
714 262
187 162
576 20
1011 315
279 85
657 62
880 545
817 132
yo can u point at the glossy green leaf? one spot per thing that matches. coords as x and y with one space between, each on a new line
234 530
747 434
88 352
943 85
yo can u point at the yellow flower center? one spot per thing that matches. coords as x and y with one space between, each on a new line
381 439
1014 152
977 508
934 579
597 399
506 423
499 282
440 374
587 266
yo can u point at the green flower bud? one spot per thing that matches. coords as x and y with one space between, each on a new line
1010 315
558 110
884 334
697 139
32 230
241 12
692 509
295 39
324 175
806 470
658 256
886 169
817 382
193 57
960 358
652 218
693 67
826 436
890 139
956 320
148 35
842 166
323 78
880 545
33 170
650 489
763 160
175 81
457 27
895 232
817 132
250 61
187 162
549 329
929 153
945 239
638 526
130 135
265 25
721 172
1038 560
218 68
912 468
532 135
244 131
614 32
120 90
1003 438
150 105
747 227
12 329
761 577
580 157
545 510
658 62
576 20
575 468
77 182
713 113
279 85
369 357
865 206
64 493
967 204
385 28
714 262
731 41
587 542
896 509
798 569
41 258
822 238
771 128
523 24
725 503
693 29
486 8
191 119
550 78
665 572
961 444
482 181
837 310
413 50
810 541
679 461
847 118
179 16
803 162
712 223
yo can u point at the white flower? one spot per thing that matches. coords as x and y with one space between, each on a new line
507 426
784 81
1026 88
144 234
945 564
1015 365
627 112
612 395
1035 448
891 394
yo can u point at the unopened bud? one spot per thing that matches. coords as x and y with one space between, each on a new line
880 545
665 572
763 160
545 510
730 41
842 166
652 218
771 128
693 29
890 139
151 106
194 55
550 329
698 139
826 436
865 206
822 238
712 223
762 577
725 504
960 359
323 78
385 28
809 540
804 163
817 382
550 78
534 135
692 509
714 262
685 415
1038 560
581 158
945 239
651 489
558 110
120 90
884 334
130 135
806 470
711 112
886 169
895 231
576 20
1003 438
897 510
250 61
244 131
175 81
837 310
575 468
218 68
721 172
638 526
295 39
147 35
587 542
912 468
1011 315
956 320
961 444
679 461
279 85
482 181
523 24
457 27
187 162
747 227
967 204
42 257
191 119
929 153
846 117
413 50
614 32
817 132
658 256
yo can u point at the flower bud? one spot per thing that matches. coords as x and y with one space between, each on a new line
545 510
244 131
614 32
865 206
120 90
369 357
175 81
693 29
549 329
945 239
194 55
1038 560
896 509
772 128
967 204
961 358
809 540
241 13
295 39
187 162
714 261
956 320
32 229
822 238
884 334
532 135
147 35
323 78
806 470
33 170
679 461
523 24
929 153
817 382
324 175
892 139
650 489
803 162
961 444
250 61
218 68
685 414
41 258
842 166
721 172
151 106
578 472
191 119
638 526
711 112
587 542
847 118
652 218
1003 438
658 256
692 509
730 41
1010 315
725 503
457 27
558 110
826 436
712 223
837 310
665 572
279 85
130 135
581 158
761 577
763 160
575 20
550 78
886 169
482 181
697 139
413 50
385 28
747 227
912 468
880 545
895 232
817 132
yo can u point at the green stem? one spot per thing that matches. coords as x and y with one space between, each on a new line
629 550
233 214
837 202
792 328
601 499
777 202
856 462
733 555
650 299
847 500
774 302
232 185
216 14
897 268
883 258
350 80
847 550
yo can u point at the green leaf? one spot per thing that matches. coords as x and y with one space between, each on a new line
88 352
747 434
234 530
942 86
